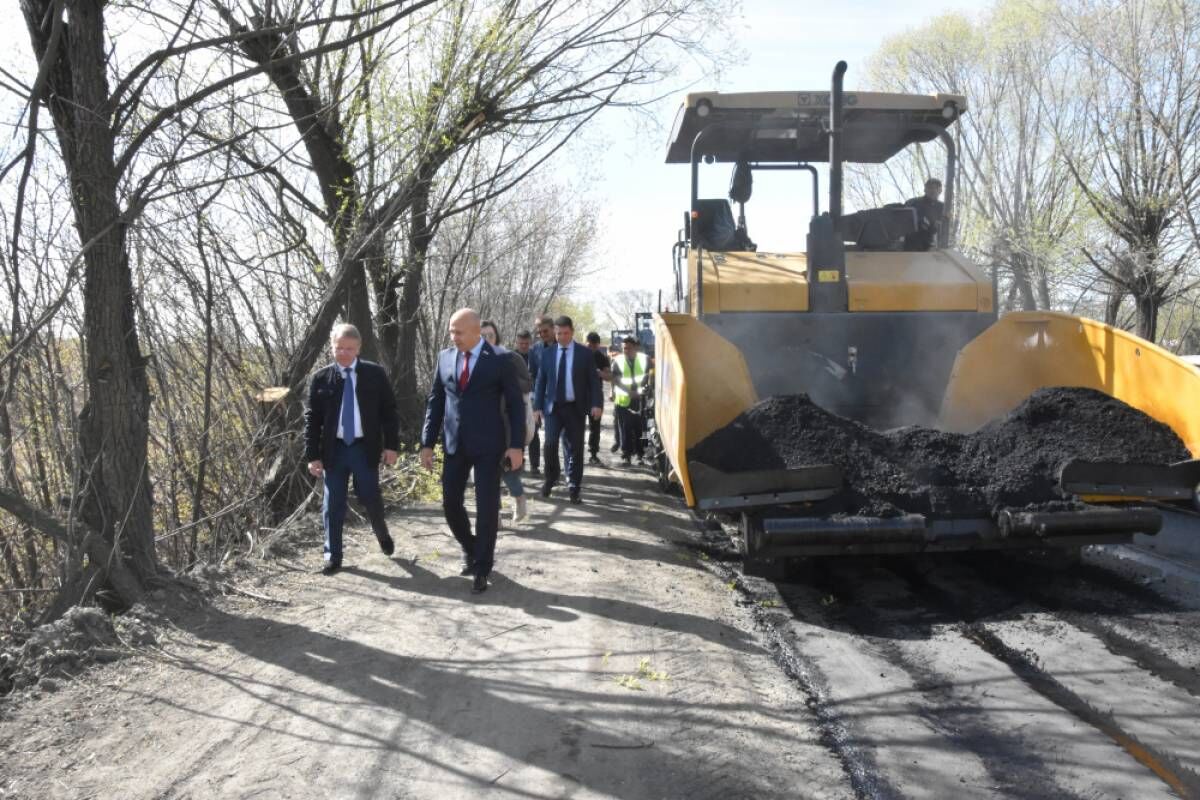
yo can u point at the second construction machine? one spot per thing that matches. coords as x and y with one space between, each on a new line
876 333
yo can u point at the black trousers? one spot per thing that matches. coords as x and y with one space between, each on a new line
479 547
630 421
593 435
535 447
567 423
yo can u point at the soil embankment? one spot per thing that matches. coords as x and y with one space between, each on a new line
1013 461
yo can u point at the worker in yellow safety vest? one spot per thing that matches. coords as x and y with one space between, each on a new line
630 377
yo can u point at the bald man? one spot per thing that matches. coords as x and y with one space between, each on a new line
464 409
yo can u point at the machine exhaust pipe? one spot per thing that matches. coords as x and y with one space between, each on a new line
835 143
827 290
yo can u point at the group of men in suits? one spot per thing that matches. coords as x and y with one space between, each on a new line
351 424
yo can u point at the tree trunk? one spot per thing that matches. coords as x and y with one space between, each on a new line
358 308
406 374
206 413
8 457
324 141
8 552
101 556
111 477
1021 277
287 481
1043 287
1148 306
1112 306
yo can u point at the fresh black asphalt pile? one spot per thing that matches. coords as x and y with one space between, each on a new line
1010 462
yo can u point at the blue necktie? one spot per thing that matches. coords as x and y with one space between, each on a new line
348 408
560 384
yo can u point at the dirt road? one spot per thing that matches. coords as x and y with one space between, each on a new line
613 659
605 661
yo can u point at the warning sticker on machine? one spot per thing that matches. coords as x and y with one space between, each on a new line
828 276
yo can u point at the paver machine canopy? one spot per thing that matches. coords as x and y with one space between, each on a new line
866 327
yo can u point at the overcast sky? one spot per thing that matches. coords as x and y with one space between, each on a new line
789 45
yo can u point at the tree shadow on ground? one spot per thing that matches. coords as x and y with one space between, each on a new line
506 591
431 710
605 546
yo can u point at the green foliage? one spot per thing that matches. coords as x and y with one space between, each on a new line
413 483
645 672
629 682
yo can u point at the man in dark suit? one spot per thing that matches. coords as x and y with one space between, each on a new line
464 408
567 388
349 424
543 328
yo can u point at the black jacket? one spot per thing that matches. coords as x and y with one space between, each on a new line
929 221
376 407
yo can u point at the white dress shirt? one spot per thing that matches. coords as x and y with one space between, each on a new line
558 349
458 361
358 431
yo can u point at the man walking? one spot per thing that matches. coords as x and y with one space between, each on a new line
543 327
524 343
602 369
464 408
613 352
629 380
349 424
567 388
525 351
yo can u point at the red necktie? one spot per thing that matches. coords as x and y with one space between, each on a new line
466 373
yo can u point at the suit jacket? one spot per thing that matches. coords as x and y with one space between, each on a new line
535 358
583 377
376 409
470 420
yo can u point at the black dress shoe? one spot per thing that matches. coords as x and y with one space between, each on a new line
575 498
546 487
594 459
480 584
467 567
385 544
331 568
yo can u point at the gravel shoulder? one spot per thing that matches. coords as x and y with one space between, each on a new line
605 661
